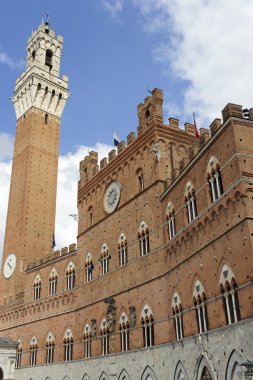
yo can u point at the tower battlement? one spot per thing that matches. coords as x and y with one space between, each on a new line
40 85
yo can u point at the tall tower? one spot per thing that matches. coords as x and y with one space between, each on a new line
39 99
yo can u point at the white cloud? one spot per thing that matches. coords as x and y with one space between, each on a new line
113 7
207 44
6 146
68 175
5 59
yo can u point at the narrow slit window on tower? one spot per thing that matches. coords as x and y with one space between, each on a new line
33 54
46 118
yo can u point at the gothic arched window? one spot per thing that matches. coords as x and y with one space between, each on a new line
214 178
37 288
87 341
89 267
228 287
50 348
33 351
170 213
122 248
68 345
147 322
70 276
190 201
104 331
53 283
143 236
19 354
199 300
124 332
105 258
177 311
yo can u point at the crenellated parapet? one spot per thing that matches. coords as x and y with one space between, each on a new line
51 257
150 116
40 85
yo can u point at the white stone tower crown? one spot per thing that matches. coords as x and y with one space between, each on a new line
40 85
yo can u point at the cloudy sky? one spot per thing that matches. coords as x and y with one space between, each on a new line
197 51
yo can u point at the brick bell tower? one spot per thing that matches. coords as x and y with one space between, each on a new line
39 100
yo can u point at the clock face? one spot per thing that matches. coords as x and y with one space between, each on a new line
10 265
111 197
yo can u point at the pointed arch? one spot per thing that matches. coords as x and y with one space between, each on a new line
170 217
122 248
66 378
204 368
18 354
228 288
234 370
85 377
180 372
143 236
104 376
147 322
190 201
124 332
104 258
50 348
53 282
199 301
68 345
214 178
89 266
37 288
177 311
87 340
33 351
70 275
148 374
124 375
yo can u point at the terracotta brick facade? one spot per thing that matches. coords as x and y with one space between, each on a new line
159 172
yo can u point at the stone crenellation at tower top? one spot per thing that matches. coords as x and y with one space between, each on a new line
40 85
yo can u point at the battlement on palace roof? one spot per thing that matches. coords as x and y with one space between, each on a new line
150 115
58 254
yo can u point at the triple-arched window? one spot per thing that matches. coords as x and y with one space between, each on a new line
53 283
147 322
214 178
68 345
89 267
190 201
124 332
170 213
122 248
143 236
87 341
177 311
70 276
199 300
33 351
105 258
228 287
104 331
50 348
37 288
19 355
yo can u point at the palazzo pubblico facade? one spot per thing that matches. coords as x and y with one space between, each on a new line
160 283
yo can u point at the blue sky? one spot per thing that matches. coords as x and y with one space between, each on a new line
108 59
197 51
